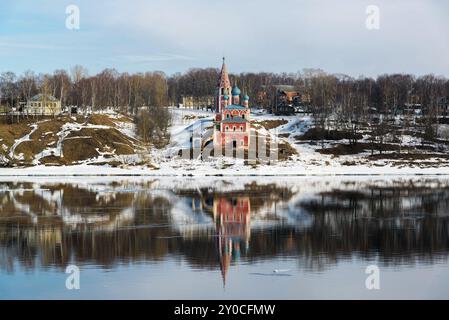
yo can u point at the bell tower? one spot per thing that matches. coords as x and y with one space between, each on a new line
223 89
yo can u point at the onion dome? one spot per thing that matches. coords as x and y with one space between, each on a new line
236 91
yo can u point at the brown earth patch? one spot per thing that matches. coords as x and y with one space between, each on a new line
44 136
77 146
82 145
408 156
53 161
349 149
271 124
320 134
79 149
286 151
101 120
11 132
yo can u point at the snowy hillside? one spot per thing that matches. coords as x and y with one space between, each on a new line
106 145
97 139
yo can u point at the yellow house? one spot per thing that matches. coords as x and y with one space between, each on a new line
43 104
191 102
4 109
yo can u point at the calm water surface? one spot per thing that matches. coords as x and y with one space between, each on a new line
224 238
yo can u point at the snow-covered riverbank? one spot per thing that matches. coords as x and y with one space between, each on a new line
198 168
306 158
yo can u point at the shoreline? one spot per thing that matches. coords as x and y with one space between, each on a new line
265 171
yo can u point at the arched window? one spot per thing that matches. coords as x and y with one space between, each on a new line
227 128
233 128
227 115
243 116
241 128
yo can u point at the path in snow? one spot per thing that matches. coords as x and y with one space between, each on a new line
23 139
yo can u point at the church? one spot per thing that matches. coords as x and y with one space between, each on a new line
232 127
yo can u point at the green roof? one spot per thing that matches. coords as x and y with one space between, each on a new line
234 120
235 107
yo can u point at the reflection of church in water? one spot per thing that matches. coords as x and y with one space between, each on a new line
232 221
231 216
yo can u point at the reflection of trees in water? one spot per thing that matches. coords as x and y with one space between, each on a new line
47 241
59 204
401 224
260 194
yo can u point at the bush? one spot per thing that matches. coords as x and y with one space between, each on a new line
321 134
152 124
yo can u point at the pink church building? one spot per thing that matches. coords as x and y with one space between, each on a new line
232 125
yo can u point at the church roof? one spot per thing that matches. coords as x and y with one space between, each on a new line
224 77
236 91
234 120
235 107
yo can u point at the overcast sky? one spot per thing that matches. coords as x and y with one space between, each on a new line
254 35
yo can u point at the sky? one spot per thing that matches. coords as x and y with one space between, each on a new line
254 35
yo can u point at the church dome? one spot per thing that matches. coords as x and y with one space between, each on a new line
246 98
226 97
236 91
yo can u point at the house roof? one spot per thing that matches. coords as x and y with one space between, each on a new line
443 100
282 87
40 97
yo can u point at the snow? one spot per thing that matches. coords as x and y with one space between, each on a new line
66 130
196 123
184 168
126 128
19 141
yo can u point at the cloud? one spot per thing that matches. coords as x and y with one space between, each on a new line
21 45
255 35
154 58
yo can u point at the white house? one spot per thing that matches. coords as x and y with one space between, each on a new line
43 104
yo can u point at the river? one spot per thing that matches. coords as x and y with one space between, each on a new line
224 238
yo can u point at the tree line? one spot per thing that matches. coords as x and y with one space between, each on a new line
123 92
126 91
333 98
